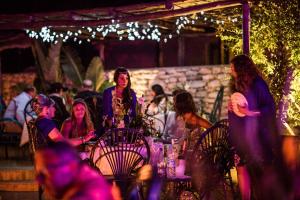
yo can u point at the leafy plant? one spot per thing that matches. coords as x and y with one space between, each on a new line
72 65
275 48
95 72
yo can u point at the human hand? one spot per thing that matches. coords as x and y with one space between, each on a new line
243 109
89 136
230 106
115 191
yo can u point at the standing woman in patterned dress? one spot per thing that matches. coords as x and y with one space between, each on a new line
119 102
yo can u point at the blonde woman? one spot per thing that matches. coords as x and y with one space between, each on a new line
80 123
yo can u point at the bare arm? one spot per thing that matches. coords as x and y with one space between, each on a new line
203 122
193 119
55 135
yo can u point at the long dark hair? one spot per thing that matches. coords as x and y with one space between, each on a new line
126 94
246 72
184 103
87 117
159 93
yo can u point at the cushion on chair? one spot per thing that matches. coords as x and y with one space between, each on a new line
11 127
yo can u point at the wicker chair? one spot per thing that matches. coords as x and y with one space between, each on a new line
213 157
30 118
215 113
125 150
225 122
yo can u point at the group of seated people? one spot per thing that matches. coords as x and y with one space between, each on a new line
119 109
119 103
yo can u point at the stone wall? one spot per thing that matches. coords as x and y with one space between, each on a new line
11 81
202 81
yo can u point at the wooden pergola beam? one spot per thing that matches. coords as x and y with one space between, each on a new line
88 11
142 17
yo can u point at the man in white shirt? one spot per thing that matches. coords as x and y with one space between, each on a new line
15 108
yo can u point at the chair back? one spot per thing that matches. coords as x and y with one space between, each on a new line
214 148
215 113
124 149
213 156
30 120
224 122
29 113
32 135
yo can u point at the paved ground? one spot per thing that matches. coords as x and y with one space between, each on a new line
18 195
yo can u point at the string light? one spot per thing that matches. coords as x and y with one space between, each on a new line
130 30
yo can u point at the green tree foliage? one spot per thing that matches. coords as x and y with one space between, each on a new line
275 48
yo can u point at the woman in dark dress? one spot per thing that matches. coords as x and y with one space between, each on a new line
119 102
253 135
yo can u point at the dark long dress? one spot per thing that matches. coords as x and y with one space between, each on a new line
255 137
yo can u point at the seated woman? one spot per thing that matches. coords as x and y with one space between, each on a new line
174 126
80 123
159 101
47 131
185 107
158 108
119 102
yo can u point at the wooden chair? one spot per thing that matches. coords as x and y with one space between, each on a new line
213 159
10 133
125 150
30 118
224 122
215 113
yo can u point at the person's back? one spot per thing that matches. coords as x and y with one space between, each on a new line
15 109
174 127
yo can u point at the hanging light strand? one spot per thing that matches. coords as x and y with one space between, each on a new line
130 30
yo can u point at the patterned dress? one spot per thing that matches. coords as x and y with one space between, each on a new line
114 108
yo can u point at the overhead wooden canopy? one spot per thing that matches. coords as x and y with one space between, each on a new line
34 14
64 15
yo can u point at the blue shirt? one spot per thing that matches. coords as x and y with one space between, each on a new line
44 127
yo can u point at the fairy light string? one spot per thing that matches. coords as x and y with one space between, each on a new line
130 30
